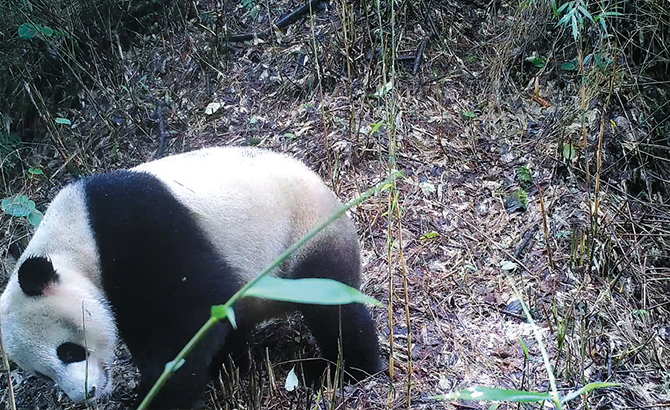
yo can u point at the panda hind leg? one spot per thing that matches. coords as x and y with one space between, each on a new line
349 328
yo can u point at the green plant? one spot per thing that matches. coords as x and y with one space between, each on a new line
537 61
22 207
525 178
481 393
251 6
28 31
576 15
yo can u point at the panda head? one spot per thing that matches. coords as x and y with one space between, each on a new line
56 323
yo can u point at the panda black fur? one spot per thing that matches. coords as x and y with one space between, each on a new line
149 250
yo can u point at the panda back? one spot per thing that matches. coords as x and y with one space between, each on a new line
251 203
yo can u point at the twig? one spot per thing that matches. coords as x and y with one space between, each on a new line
406 303
545 228
5 364
162 133
419 54
527 237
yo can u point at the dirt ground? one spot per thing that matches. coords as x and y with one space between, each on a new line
499 201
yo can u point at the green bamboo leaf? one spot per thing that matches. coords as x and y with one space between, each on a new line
585 12
564 20
563 7
376 127
481 393
586 389
310 290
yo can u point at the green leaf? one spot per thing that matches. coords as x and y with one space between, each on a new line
35 171
523 198
481 393
27 31
310 290
537 61
376 127
525 177
569 65
524 347
64 121
588 388
179 364
35 218
564 6
585 13
224 312
383 89
291 380
564 20
569 152
508 265
230 314
19 205
429 235
47 31
469 114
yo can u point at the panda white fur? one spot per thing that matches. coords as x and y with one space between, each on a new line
149 250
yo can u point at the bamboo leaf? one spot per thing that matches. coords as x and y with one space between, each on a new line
310 290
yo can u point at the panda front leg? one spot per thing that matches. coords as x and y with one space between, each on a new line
187 387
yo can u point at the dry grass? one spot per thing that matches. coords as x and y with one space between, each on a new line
464 121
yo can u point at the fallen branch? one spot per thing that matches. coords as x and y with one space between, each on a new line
283 22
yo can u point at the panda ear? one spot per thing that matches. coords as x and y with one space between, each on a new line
36 274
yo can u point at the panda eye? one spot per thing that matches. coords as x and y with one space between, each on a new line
70 352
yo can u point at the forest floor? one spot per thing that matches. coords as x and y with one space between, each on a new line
502 199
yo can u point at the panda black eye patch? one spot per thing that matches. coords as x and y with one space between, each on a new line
69 352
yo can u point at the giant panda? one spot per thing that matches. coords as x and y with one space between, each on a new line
144 253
